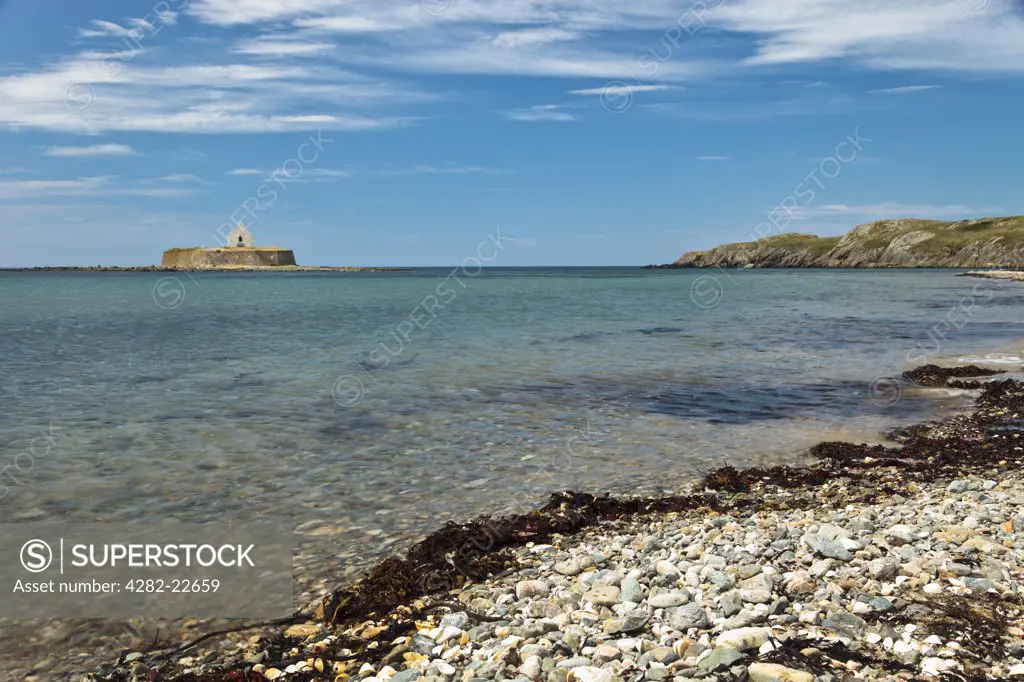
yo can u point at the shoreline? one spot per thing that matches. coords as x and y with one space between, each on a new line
364 624
159 268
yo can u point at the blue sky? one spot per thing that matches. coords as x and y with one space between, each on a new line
592 132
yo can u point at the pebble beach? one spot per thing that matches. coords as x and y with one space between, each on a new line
875 563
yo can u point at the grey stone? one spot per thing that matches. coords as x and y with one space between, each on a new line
979 584
827 548
900 534
685 617
756 595
730 603
843 619
631 589
634 620
720 659
569 568
881 604
422 645
669 599
883 569
406 676
960 485
459 620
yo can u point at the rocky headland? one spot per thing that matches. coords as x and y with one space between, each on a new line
903 243
876 563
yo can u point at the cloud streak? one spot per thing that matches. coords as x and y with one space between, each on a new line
92 150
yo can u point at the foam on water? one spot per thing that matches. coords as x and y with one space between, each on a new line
991 359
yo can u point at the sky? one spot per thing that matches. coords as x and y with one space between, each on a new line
586 132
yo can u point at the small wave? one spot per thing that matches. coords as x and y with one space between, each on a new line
992 359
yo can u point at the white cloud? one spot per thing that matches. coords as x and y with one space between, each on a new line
103 29
427 169
891 210
344 24
714 158
84 186
910 34
542 112
534 36
904 89
615 90
185 177
92 150
88 94
324 174
284 74
268 47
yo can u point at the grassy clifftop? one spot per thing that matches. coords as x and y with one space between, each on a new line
907 242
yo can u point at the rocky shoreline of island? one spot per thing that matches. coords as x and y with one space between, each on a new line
876 562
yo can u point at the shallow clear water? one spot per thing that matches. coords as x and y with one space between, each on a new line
264 395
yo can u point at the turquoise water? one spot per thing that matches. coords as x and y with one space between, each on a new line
249 396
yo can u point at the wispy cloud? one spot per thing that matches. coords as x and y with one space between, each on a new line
92 150
105 29
541 112
307 174
904 89
271 47
892 209
910 34
714 158
616 90
324 174
185 178
86 186
427 169
89 93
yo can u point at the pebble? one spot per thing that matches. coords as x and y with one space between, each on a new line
772 672
743 639
532 588
604 595
668 599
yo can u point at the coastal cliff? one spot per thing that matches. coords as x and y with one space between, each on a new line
904 243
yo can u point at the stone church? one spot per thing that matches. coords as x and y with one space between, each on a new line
240 237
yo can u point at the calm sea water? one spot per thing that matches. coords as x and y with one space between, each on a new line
367 408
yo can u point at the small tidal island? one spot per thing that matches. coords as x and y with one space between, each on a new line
239 253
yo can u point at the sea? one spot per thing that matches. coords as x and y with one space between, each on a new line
365 409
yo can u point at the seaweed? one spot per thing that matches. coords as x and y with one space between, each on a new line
935 376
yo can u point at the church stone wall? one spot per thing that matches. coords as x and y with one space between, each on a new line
212 259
